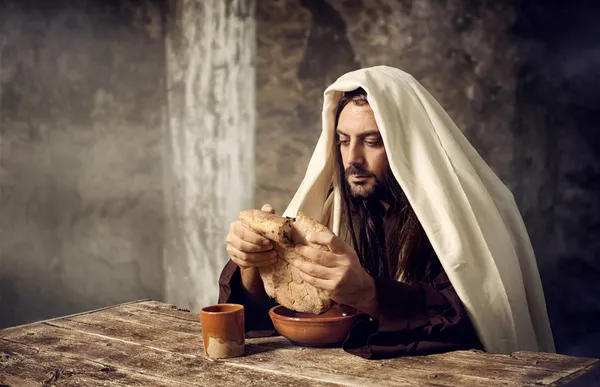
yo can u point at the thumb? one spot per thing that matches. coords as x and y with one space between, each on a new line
268 208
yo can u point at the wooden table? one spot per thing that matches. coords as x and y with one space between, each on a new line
148 343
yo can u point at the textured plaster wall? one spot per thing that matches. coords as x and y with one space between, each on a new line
81 123
210 143
519 78
126 149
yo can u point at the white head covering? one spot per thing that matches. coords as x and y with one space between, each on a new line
469 215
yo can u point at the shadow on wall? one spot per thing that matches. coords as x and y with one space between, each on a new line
559 110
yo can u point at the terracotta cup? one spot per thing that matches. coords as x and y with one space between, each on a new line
223 330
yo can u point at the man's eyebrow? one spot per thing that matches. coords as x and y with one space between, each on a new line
371 133
364 134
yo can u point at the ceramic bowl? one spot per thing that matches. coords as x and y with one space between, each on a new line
306 329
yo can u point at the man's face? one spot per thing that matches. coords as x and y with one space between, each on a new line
362 150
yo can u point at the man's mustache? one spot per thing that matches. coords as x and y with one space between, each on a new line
358 170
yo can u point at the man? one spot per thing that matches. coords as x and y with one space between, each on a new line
428 242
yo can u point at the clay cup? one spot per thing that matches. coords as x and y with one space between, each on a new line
223 330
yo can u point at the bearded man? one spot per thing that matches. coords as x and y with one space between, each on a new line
427 242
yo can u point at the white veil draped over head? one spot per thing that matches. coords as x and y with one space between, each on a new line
469 215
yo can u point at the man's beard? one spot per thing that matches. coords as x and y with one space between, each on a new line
369 190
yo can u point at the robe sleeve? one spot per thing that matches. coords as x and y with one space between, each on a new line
414 319
256 315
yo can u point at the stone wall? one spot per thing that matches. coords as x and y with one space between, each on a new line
81 123
126 149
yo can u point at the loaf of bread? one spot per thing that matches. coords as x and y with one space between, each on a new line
282 280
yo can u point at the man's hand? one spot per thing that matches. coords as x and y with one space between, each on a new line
339 272
249 249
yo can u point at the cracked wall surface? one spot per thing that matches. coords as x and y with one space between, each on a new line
81 120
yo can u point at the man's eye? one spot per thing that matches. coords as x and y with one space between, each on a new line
373 143
343 142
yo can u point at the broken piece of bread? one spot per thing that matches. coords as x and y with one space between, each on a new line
282 280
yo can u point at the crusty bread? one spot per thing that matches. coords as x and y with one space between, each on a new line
303 226
282 280
273 227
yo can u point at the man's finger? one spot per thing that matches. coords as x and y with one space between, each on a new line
313 269
243 259
257 257
247 247
323 258
330 240
246 264
245 234
327 285
268 208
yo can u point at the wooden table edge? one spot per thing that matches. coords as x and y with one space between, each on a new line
587 376
79 314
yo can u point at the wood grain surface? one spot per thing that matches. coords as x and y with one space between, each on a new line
148 343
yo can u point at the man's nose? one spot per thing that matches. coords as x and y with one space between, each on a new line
356 155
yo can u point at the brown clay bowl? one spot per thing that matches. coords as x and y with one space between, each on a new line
306 329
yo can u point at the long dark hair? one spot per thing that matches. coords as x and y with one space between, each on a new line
404 252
